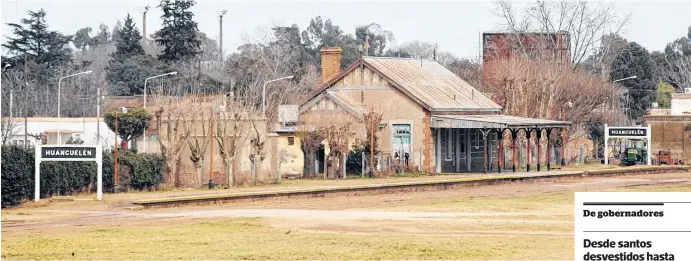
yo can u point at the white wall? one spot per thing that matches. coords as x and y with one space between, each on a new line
681 104
85 127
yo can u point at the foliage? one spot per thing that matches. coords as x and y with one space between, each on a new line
635 60
65 178
17 175
178 37
664 94
145 169
126 77
35 42
375 36
130 124
127 41
354 161
320 34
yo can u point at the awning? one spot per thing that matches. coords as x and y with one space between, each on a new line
492 122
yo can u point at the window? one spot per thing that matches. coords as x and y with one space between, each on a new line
291 141
401 138
18 142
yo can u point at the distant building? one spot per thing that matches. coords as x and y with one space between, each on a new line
44 130
546 46
671 128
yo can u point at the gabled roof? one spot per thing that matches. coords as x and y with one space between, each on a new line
342 101
425 81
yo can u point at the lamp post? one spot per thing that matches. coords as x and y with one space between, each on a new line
627 95
220 30
563 133
264 92
115 150
146 144
59 85
627 78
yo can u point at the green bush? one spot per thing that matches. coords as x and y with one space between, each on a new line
138 171
17 175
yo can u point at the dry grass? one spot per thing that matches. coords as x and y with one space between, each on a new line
517 235
254 239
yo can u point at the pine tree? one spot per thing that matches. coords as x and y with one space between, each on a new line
635 60
127 40
178 37
36 43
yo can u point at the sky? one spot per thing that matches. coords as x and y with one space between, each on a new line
454 25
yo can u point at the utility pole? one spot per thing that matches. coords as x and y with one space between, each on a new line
371 149
144 37
11 101
211 149
26 102
115 155
98 116
220 29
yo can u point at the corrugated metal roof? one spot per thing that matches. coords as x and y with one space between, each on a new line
431 84
492 121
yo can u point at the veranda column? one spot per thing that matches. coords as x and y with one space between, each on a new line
549 151
528 133
500 148
514 134
538 136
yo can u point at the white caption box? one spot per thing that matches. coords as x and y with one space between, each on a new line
625 222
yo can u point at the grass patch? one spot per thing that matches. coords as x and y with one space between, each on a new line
552 203
252 239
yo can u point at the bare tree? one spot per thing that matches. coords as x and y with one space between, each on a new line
585 23
10 127
676 70
174 131
199 142
231 133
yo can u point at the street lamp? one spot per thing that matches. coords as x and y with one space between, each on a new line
220 32
264 93
563 133
146 144
627 78
59 85
115 150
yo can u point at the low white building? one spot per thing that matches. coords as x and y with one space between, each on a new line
680 104
70 129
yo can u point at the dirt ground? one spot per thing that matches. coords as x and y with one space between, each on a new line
534 211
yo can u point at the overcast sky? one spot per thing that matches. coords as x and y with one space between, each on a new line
454 24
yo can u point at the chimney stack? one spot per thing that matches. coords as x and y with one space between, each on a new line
330 62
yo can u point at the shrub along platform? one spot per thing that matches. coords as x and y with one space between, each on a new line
397 187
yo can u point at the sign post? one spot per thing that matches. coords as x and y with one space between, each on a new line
68 153
635 133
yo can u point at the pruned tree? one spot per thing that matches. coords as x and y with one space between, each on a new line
130 124
231 133
198 144
174 131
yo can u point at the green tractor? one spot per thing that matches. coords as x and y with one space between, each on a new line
635 153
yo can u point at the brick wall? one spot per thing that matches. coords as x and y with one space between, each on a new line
427 141
330 62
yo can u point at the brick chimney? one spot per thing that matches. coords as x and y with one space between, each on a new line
330 62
